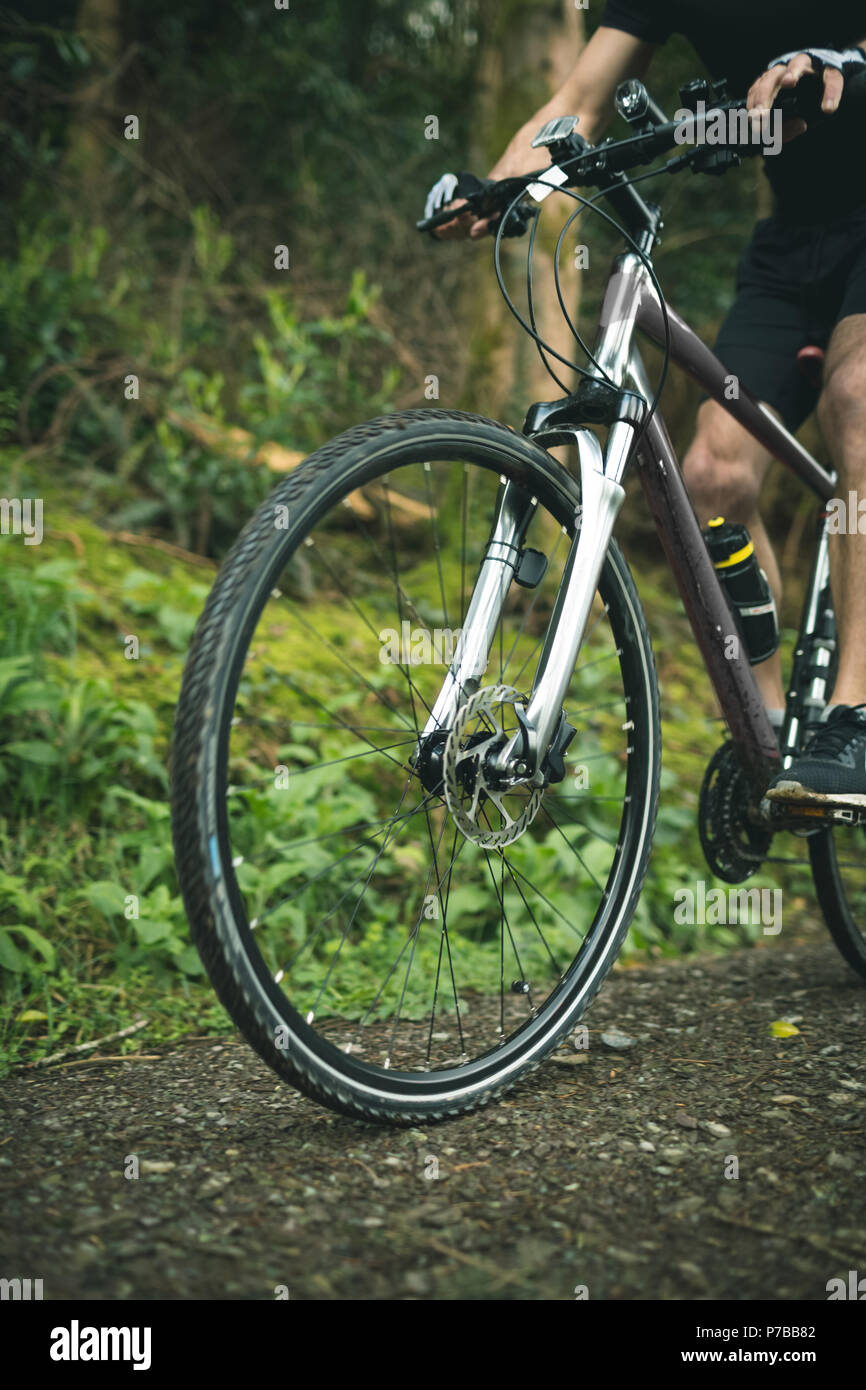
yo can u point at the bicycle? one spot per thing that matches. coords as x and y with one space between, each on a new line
408 867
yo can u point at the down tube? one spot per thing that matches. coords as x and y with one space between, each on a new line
706 605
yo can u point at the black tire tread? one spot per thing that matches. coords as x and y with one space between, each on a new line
218 956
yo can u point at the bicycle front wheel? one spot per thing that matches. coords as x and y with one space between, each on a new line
377 937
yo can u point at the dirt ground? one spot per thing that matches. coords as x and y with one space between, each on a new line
609 1171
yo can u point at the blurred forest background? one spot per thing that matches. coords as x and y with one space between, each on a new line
158 371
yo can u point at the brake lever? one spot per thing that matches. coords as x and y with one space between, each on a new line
484 198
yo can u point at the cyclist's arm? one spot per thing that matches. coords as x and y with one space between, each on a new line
609 58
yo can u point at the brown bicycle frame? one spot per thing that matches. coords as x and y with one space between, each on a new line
631 302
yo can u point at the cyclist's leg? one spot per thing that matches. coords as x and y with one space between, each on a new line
842 417
724 470
758 342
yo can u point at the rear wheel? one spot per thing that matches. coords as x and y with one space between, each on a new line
836 854
391 936
839 870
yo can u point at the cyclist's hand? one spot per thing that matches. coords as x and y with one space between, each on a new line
776 79
465 225
785 72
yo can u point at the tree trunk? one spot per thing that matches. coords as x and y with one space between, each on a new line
527 49
98 24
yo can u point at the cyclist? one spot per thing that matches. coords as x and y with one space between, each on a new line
801 280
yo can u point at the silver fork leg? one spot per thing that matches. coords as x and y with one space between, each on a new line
516 509
601 498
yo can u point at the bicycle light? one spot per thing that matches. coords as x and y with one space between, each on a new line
632 100
634 103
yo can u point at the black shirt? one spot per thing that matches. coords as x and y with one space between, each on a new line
819 175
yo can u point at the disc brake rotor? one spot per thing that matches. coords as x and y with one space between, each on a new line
468 789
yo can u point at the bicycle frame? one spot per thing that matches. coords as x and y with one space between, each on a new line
630 304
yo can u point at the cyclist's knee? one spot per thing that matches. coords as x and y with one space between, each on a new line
840 406
721 477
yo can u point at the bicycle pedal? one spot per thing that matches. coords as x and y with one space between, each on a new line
807 820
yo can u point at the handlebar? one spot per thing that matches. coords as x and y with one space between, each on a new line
607 164
484 197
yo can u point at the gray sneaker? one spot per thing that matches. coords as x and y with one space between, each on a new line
831 771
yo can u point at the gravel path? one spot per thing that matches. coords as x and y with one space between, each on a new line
607 1169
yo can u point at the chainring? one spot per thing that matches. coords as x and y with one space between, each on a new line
734 847
464 776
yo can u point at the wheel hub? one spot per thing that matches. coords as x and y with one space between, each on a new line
472 793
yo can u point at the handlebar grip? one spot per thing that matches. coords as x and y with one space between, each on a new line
472 190
439 219
804 100
484 198
854 92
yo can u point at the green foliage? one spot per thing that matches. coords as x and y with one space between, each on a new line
155 260
280 375
316 373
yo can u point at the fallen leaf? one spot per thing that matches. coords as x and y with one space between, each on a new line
782 1029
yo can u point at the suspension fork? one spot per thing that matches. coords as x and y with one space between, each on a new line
514 511
602 496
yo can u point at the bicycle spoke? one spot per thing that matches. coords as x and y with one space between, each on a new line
357 609
414 943
329 868
575 852
443 939
333 903
348 925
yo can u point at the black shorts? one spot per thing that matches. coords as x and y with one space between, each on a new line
794 284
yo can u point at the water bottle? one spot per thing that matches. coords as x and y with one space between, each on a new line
745 583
